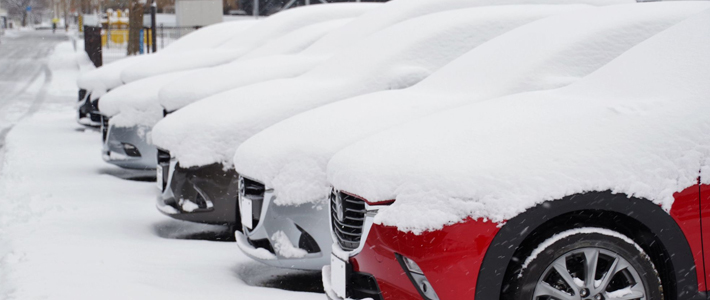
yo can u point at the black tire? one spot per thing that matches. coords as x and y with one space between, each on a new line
574 249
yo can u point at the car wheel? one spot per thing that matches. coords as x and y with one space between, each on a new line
587 264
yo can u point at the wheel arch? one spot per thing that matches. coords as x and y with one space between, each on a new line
643 221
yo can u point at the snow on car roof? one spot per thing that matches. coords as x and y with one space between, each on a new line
268 29
224 77
209 131
209 36
397 11
211 81
107 77
297 40
636 126
291 156
205 82
136 102
141 101
258 65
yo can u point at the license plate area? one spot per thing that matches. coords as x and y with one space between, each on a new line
159 180
245 210
338 275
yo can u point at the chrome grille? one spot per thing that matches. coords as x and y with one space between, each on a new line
347 219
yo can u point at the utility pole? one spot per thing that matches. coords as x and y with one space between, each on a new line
256 9
153 10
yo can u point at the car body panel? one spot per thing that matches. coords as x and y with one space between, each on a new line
213 183
294 221
113 150
459 259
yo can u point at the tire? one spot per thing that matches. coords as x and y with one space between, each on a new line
574 252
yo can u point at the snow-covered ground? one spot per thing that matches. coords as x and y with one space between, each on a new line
72 228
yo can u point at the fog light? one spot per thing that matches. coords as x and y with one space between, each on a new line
416 275
131 150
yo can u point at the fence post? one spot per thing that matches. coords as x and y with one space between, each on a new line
141 37
153 10
162 38
92 44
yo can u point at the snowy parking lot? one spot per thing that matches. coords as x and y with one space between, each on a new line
74 227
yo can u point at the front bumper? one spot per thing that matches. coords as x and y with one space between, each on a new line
450 258
87 110
128 147
206 194
297 236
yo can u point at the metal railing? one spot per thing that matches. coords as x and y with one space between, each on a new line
118 38
167 35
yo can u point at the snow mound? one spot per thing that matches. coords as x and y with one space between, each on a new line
247 71
203 83
107 77
138 101
284 247
222 78
297 40
135 103
636 126
209 36
256 36
259 65
394 12
183 61
209 131
291 156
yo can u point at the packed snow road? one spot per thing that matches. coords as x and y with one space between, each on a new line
72 228
23 74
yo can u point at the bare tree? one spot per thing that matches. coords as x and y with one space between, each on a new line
17 9
135 25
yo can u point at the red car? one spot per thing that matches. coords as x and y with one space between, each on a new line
598 190
481 260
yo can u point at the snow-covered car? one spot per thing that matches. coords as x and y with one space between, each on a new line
284 166
130 111
590 191
188 55
270 28
211 81
128 114
213 185
96 83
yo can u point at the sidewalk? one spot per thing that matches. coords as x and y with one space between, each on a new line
71 228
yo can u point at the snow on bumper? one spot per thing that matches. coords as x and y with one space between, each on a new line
251 251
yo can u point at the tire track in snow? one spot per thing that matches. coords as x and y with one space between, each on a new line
36 104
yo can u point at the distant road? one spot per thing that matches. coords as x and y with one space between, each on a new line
23 74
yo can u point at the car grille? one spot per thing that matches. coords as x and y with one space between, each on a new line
348 230
104 128
254 191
